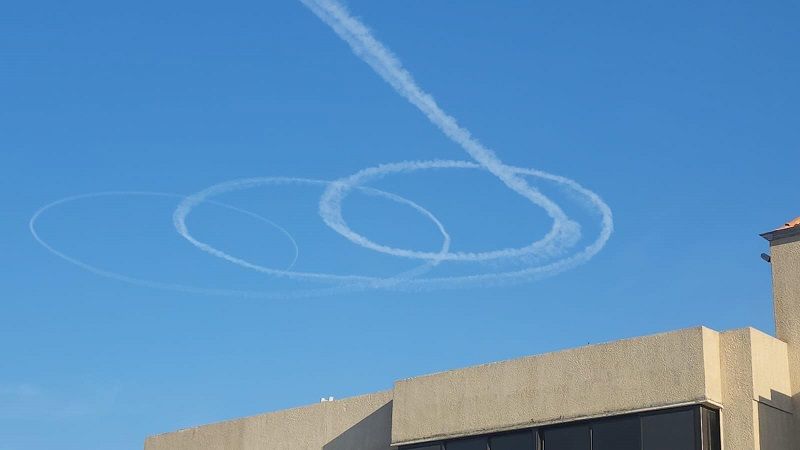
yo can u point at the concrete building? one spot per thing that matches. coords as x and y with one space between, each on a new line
692 389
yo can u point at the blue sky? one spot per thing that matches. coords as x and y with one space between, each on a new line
682 116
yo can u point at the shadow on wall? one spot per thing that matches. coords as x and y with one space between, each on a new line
374 432
775 424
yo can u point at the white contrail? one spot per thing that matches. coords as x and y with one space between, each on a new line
553 246
389 67
33 222
409 280
186 206
563 233
346 283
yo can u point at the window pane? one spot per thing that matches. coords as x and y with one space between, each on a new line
480 443
617 434
513 441
670 431
711 434
425 447
574 437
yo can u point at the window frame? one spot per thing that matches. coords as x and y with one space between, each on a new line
706 422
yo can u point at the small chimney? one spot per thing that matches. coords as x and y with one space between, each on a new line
784 257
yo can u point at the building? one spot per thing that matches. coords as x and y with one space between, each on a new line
692 389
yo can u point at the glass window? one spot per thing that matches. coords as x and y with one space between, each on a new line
513 441
575 437
711 434
675 430
623 433
425 447
479 443
688 428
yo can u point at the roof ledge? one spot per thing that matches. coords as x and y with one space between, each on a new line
789 229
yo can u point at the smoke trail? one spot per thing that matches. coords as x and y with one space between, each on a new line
563 235
189 203
389 67
32 226
564 232
346 283
330 210
409 280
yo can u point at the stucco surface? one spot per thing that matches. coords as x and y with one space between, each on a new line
713 365
786 293
745 371
786 287
757 413
770 365
648 372
358 423
738 429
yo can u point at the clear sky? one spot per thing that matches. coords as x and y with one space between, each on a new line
681 116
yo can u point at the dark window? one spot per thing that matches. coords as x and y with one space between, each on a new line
670 430
575 437
424 447
513 441
711 434
617 434
688 428
479 443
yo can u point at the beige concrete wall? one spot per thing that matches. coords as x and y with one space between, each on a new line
757 408
648 372
786 293
744 371
770 365
738 419
785 255
358 423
